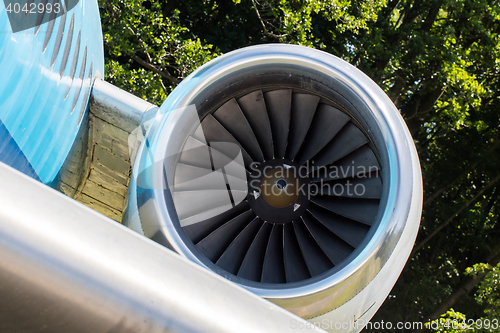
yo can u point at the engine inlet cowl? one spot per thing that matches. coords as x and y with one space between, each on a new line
286 170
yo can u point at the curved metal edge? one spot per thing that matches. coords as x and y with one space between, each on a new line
66 268
117 106
356 275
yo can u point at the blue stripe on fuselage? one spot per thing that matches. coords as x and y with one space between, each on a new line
12 155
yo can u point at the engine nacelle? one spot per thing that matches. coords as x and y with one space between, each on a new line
287 171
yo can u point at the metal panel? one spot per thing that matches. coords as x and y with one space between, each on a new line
66 268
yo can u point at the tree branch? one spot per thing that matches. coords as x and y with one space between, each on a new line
399 83
152 67
431 17
270 34
436 193
462 290
144 45
448 220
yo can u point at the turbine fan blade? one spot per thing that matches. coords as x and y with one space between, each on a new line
196 232
254 108
214 245
350 231
209 203
232 258
356 164
215 132
303 109
361 210
278 104
348 139
316 260
273 270
191 178
327 122
295 265
230 116
251 268
185 173
335 248
367 188
196 153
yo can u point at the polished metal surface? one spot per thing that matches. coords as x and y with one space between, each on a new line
402 205
66 268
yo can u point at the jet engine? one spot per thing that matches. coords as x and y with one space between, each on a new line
287 171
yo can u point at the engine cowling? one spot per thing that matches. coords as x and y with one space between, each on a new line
287 171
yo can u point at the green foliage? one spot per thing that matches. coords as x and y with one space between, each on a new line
488 292
292 21
138 81
450 322
151 45
148 52
456 322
